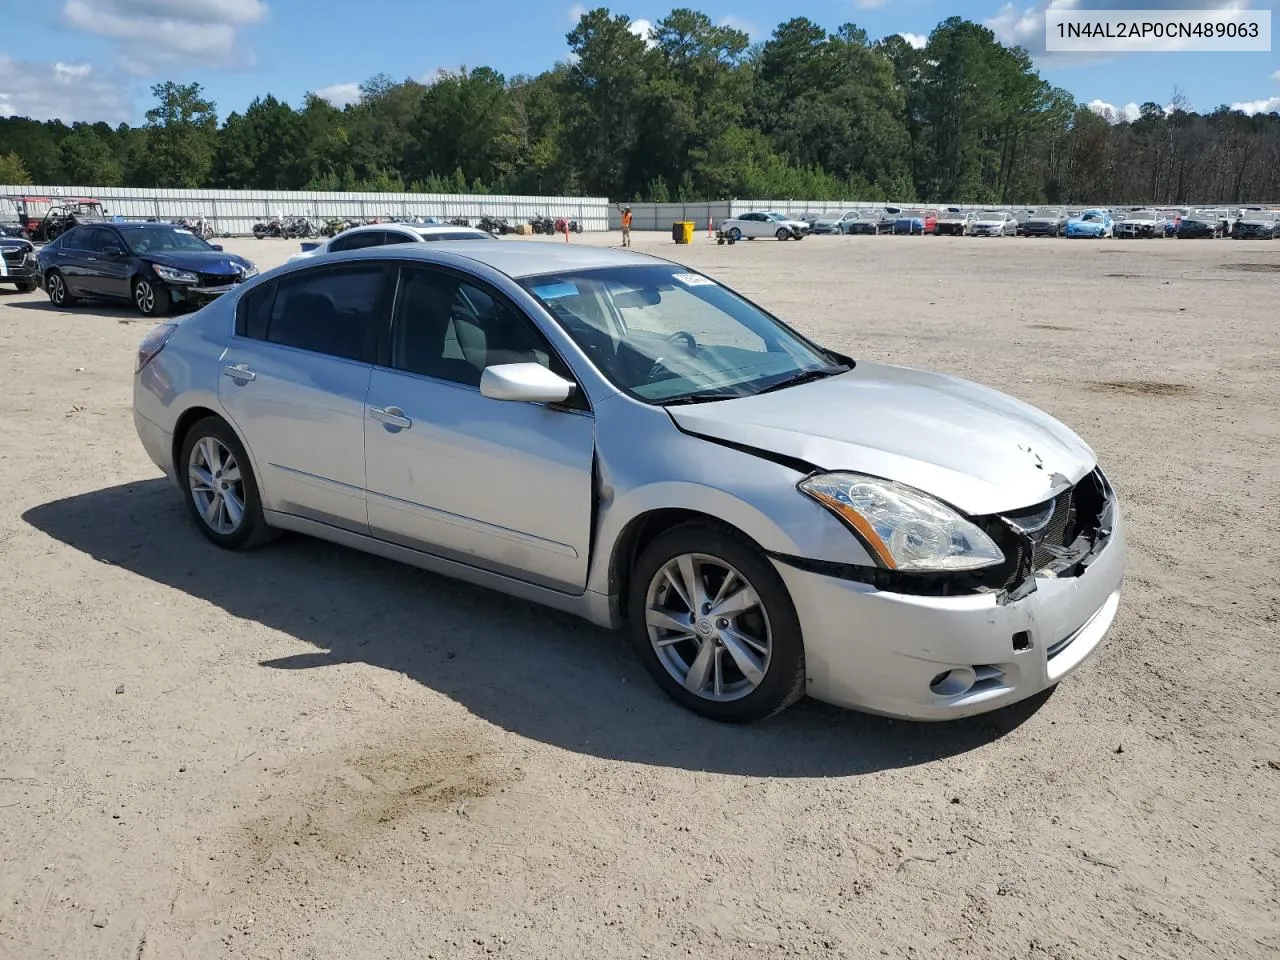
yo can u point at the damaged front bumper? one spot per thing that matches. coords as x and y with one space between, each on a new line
939 657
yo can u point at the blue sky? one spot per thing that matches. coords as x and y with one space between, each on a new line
108 52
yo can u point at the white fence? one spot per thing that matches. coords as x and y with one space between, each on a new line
234 212
660 216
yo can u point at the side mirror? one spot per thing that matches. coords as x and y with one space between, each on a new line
216 246
112 250
527 382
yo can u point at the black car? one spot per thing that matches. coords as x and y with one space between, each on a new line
1201 225
152 265
1044 223
18 263
1255 226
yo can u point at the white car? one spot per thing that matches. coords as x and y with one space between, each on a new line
1142 224
955 223
749 226
381 234
994 223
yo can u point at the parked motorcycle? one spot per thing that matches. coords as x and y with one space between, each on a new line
270 228
542 224
567 223
495 225
460 222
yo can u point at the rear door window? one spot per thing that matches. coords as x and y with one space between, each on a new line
330 310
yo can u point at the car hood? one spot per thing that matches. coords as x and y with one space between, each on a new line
978 449
1251 222
199 261
1049 219
1086 225
989 223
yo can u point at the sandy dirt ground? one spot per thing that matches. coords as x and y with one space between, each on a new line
305 752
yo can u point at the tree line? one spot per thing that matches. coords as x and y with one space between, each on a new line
693 111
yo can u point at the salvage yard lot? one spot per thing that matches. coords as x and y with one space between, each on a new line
309 752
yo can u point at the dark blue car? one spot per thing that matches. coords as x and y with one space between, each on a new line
154 266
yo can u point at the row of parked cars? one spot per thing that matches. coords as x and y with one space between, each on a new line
1254 223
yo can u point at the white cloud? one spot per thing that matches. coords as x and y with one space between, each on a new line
576 12
642 28
917 40
340 94
149 33
62 91
869 4
1276 75
1113 114
1258 106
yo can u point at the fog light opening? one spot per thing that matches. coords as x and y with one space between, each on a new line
954 683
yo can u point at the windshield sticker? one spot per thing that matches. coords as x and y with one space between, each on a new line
554 291
693 280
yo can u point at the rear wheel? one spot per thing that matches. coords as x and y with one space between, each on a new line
219 486
713 624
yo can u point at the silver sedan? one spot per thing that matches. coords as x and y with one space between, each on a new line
625 438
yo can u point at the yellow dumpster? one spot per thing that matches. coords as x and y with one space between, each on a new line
682 231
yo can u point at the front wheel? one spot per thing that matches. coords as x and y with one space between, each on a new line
26 286
151 300
59 295
220 488
735 235
783 234
713 624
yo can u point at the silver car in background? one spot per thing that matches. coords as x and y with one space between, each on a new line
624 438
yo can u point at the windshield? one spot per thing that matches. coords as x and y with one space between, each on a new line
662 334
1090 216
154 239
775 216
1143 215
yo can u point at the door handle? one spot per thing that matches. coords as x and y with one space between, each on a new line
391 416
240 373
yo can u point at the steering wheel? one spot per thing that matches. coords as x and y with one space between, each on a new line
682 337
686 338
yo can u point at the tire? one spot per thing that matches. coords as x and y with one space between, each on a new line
782 234
213 435
59 295
734 235
26 286
768 636
149 299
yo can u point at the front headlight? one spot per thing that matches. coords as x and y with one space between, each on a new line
248 270
174 276
904 528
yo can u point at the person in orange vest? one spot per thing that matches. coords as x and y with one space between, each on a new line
626 226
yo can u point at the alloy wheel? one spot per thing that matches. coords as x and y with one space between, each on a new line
57 290
144 297
708 627
216 485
